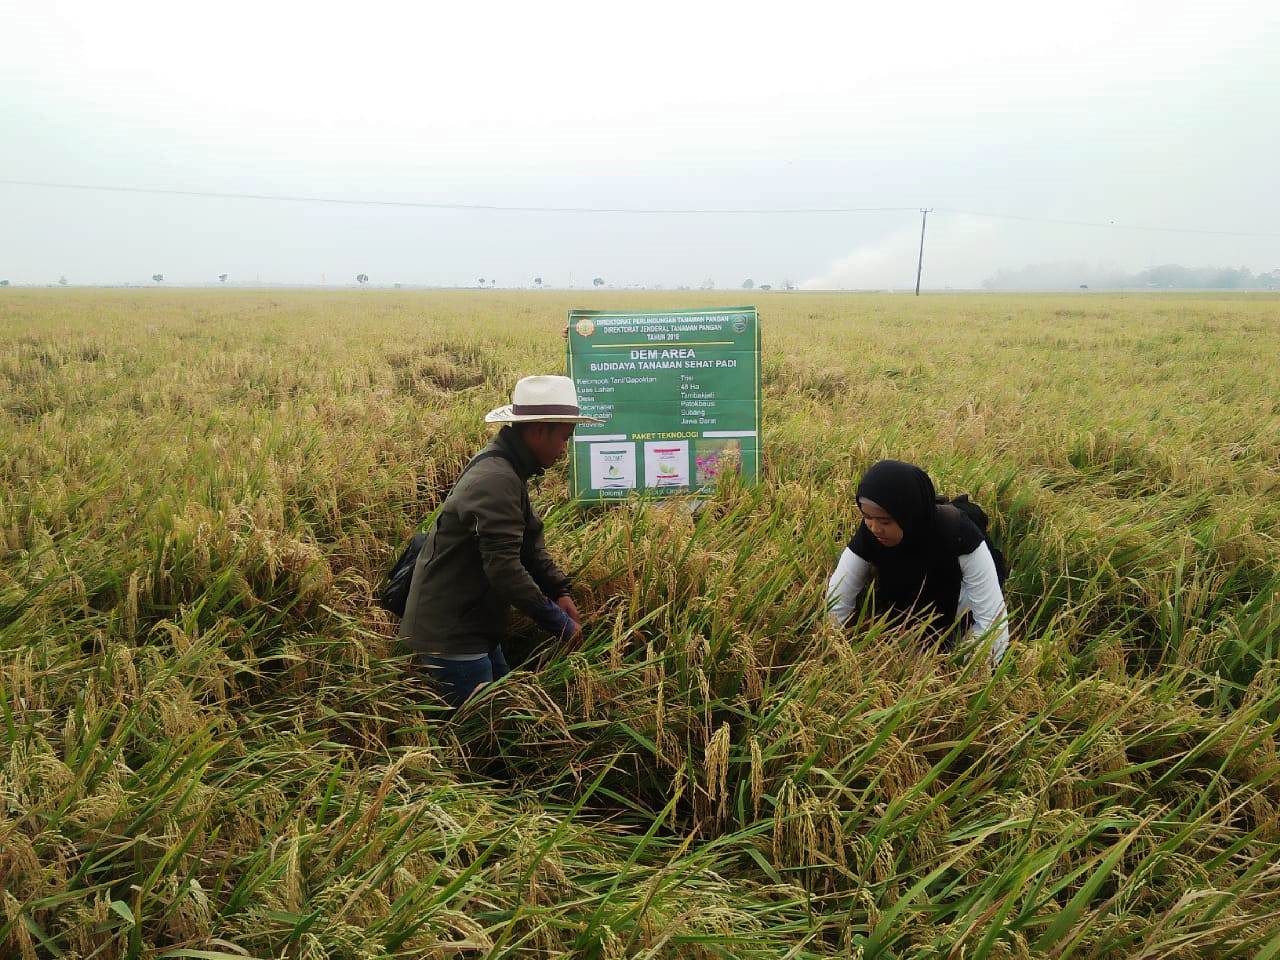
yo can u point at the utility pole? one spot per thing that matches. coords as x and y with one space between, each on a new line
924 215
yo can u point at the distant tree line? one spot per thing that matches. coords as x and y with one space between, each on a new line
1175 277
1169 276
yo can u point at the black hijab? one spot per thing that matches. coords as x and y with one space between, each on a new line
921 573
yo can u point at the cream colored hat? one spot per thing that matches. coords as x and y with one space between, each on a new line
543 399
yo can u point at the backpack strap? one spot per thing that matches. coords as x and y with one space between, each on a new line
484 455
478 458
433 517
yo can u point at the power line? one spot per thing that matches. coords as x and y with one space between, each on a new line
630 211
1110 225
486 207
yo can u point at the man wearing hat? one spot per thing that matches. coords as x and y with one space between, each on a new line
486 553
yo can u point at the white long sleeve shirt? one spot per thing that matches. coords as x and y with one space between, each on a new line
980 594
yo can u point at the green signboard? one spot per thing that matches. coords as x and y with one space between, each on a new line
680 396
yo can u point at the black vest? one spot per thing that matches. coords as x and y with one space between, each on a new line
924 579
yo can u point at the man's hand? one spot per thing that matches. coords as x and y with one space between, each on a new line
566 604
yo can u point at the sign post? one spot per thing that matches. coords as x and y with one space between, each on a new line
680 394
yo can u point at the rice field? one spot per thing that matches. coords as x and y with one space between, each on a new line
210 745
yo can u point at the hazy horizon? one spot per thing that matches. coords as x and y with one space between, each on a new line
1130 116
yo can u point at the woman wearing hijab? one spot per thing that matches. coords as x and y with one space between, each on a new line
929 560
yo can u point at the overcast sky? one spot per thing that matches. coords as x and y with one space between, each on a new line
1143 113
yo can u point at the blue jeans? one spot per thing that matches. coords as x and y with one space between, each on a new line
459 679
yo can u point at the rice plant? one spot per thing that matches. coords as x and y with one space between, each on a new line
210 745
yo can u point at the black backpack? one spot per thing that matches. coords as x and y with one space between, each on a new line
979 517
395 594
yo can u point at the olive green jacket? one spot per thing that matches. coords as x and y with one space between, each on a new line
485 555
